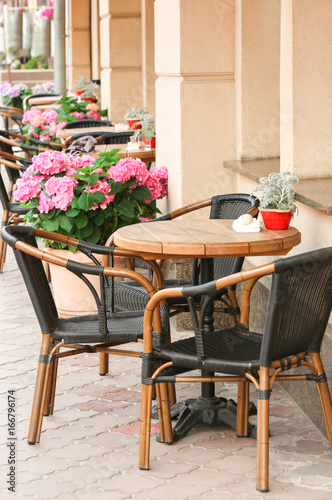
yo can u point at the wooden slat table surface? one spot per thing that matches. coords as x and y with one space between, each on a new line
41 101
146 155
64 133
202 238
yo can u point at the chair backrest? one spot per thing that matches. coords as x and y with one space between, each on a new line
230 206
3 194
34 276
106 137
13 175
86 123
116 137
299 305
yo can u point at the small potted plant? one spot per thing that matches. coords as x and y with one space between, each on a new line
148 130
133 117
80 84
277 205
91 92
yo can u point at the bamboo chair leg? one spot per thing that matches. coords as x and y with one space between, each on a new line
160 414
242 409
53 387
171 394
324 396
145 431
45 392
103 363
166 412
262 472
3 244
36 412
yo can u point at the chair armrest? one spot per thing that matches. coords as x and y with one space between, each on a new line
183 210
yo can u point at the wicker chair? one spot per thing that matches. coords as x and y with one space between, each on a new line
10 113
103 137
12 212
87 123
299 307
80 334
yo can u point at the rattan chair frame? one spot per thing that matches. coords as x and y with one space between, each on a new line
270 355
101 332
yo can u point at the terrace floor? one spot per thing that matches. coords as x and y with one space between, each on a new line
89 447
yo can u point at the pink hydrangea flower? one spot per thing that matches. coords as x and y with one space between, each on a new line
45 203
37 120
50 162
50 115
77 115
28 187
123 170
62 189
93 114
92 106
33 116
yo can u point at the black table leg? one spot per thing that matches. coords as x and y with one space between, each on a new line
207 408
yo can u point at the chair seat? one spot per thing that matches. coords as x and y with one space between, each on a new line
233 350
122 327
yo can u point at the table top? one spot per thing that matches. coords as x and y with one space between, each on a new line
146 155
191 238
37 101
64 133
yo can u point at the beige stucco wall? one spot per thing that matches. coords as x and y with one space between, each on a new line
195 105
306 80
77 41
257 78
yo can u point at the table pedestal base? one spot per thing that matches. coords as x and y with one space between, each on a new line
209 411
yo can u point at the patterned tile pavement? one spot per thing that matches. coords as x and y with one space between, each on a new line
89 447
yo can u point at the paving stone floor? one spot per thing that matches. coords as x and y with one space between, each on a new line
89 447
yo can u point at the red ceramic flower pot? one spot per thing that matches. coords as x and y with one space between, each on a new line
134 124
89 99
152 143
276 219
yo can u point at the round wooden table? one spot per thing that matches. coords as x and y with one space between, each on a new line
182 239
203 239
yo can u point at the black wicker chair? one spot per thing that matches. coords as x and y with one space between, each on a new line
103 137
88 122
80 334
298 310
12 212
10 113
227 206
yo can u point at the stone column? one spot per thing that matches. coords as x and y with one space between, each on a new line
305 87
78 42
257 78
148 72
120 56
195 112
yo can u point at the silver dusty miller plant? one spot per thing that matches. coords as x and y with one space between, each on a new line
277 191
